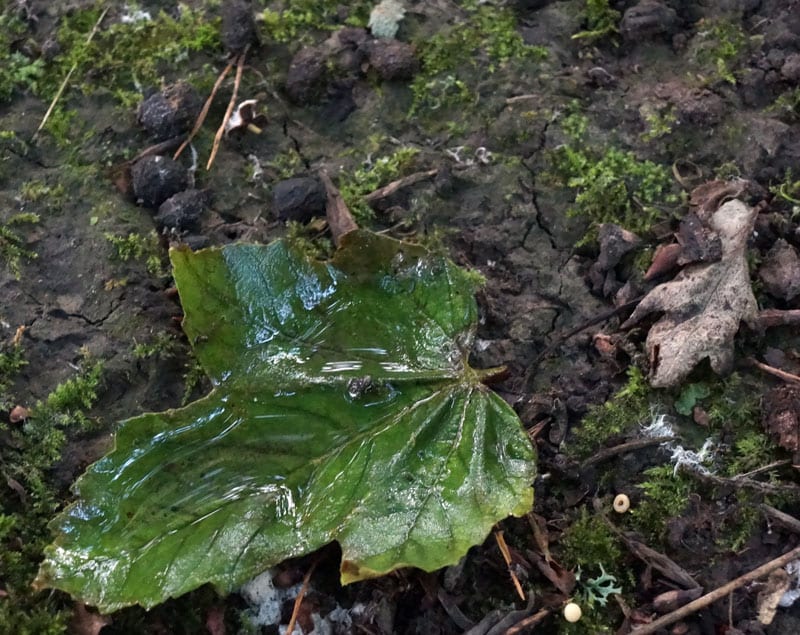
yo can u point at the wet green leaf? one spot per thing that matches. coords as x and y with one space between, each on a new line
343 409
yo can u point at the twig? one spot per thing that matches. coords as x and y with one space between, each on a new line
717 594
776 317
637 444
774 371
300 595
742 482
662 563
391 188
501 542
231 106
782 518
206 107
340 220
64 83
529 621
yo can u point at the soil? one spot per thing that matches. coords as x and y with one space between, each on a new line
719 77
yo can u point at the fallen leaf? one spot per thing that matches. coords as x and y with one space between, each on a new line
343 410
770 596
703 305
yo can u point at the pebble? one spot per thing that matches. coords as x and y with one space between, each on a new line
156 178
298 199
170 112
182 211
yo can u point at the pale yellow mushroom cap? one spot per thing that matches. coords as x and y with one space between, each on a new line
622 503
572 612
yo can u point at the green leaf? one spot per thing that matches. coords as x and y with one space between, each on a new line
689 396
343 409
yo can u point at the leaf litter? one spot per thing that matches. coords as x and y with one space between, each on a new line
283 456
703 305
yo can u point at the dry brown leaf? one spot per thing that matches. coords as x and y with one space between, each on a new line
703 305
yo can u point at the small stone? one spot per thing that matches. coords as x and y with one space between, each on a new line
156 178
238 25
298 199
183 210
306 76
392 59
647 19
170 112
791 68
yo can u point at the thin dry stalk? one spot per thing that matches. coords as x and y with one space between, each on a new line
229 111
526 623
717 594
64 83
299 599
204 112
501 542
794 379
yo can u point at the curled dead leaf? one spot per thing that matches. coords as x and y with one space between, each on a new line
703 306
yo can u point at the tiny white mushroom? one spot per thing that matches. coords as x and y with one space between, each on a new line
622 503
572 612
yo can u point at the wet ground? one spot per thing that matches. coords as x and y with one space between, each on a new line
526 123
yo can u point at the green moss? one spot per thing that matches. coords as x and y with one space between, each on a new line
666 495
719 47
600 21
298 20
12 359
613 186
455 58
787 105
122 57
17 71
626 410
161 345
354 185
26 460
12 250
587 543
315 244
40 192
145 247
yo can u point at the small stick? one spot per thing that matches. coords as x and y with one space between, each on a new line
637 444
501 542
717 594
392 187
776 317
299 599
231 106
775 371
782 518
64 83
204 112
340 220
531 620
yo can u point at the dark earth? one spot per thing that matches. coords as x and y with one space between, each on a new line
522 127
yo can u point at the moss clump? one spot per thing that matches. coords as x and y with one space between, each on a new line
454 58
720 46
17 71
354 185
12 250
600 21
611 185
627 409
666 495
143 247
299 19
126 55
27 456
